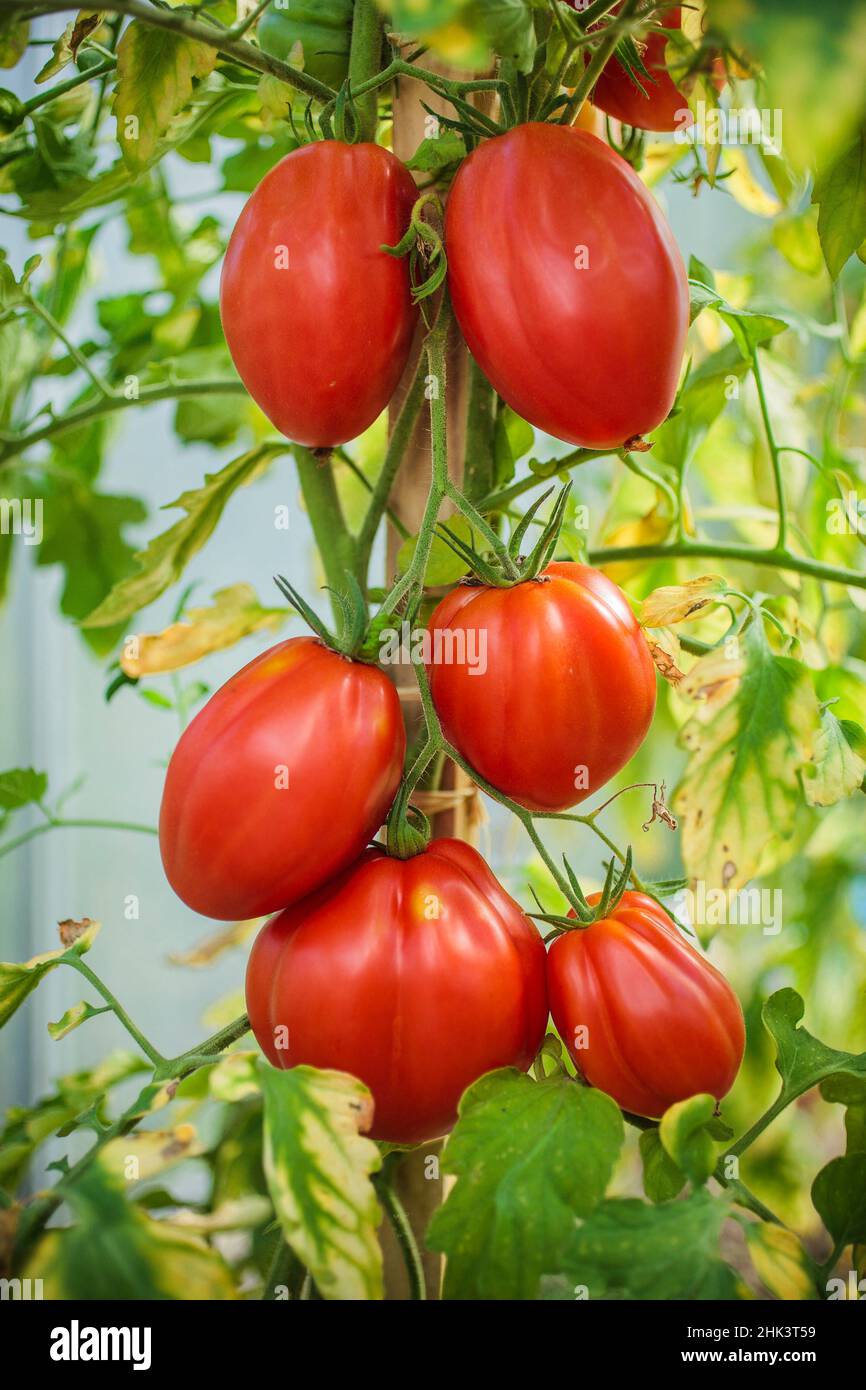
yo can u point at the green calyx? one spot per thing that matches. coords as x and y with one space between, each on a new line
352 633
584 913
422 243
503 565
408 829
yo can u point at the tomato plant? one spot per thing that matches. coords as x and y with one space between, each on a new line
317 317
645 1017
528 801
416 975
280 781
552 308
566 690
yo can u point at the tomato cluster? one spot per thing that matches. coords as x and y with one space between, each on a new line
410 966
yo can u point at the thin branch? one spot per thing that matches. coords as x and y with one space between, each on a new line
238 49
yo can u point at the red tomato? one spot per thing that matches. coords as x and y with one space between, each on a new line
280 780
661 1024
664 107
416 975
569 688
567 283
318 319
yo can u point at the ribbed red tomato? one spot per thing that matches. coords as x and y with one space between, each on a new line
645 1017
557 690
416 975
317 318
567 283
280 780
664 107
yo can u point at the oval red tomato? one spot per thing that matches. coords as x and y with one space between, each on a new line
318 319
547 688
416 975
280 780
644 1016
567 283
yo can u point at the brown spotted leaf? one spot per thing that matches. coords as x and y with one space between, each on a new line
678 603
752 733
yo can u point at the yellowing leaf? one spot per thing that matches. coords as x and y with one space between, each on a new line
155 73
752 733
236 612
644 530
318 1170
665 660
677 603
780 1261
115 1251
213 946
839 762
66 48
742 184
135 1157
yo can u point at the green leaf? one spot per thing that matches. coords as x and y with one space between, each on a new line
849 1091
155 74
512 438
684 1134
662 1179
753 730
444 566
19 980
839 1197
83 532
318 1169
840 192
21 786
15 292
801 1059
168 554
750 330
839 761
529 1157
438 155
114 1250
629 1250
509 27
798 240
703 398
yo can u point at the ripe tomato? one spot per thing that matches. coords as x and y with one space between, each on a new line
568 691
567 283
416 975
664 107
317 318
661 1024
280 780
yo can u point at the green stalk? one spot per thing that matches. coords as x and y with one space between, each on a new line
719 550
404 1235
782 536
365 61
77 824
333 538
